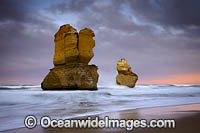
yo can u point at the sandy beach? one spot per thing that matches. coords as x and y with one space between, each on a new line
187 119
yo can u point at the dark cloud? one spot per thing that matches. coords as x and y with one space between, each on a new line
171 12
98 14
26 43
71 6
176 15
158 38
12 10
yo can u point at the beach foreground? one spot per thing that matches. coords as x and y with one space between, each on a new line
187 119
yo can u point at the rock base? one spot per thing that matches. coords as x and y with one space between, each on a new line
127 80
71 77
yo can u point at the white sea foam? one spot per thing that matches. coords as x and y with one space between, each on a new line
18 101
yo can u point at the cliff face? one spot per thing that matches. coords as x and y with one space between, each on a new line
73 52
125 75
66 45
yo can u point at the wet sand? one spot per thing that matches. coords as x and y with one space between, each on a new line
187 119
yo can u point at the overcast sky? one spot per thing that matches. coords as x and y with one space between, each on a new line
160 39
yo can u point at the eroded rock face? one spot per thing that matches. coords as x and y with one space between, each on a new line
125 75
73 52
86 43
66 49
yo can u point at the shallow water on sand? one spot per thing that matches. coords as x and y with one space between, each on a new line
18 101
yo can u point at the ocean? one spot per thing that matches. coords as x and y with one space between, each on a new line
18 101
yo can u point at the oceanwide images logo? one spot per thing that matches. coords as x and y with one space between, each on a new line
95 122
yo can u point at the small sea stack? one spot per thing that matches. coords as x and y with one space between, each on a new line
125 75
73 51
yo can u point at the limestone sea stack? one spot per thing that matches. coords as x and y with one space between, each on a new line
73 51
125 75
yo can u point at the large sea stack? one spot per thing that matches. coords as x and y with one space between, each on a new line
73 51
125 75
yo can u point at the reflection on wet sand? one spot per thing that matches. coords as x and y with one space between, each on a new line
187 120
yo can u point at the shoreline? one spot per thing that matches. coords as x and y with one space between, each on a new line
187 113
